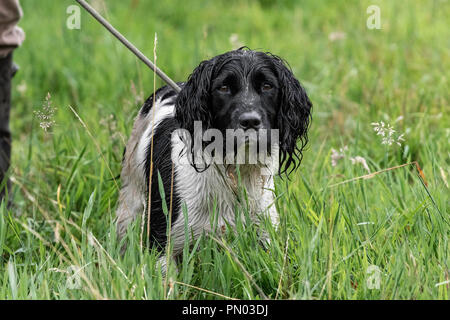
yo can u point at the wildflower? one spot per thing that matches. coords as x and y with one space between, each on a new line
388 134
399 139
360 160
337 155
400 118
337 35
22 87
235 42
45 115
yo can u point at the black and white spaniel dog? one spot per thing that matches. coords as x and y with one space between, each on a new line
241 90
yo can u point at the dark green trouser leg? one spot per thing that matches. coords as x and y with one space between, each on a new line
5 134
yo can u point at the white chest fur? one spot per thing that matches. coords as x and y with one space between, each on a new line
213 197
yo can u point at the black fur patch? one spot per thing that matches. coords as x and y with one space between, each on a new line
162 148
163 93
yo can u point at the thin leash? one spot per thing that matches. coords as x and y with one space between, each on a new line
137 53
128 44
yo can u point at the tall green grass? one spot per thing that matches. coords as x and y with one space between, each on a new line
58 241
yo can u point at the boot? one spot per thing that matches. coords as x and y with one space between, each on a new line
6 73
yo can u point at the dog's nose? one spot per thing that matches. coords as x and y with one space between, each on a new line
250 120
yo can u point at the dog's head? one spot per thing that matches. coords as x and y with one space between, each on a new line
248 90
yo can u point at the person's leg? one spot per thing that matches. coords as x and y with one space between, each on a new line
6 73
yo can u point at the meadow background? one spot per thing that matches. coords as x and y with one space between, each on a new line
58 241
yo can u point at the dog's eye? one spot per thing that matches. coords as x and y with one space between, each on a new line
224 89
267 87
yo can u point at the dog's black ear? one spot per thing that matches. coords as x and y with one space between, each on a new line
192 103
294 117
